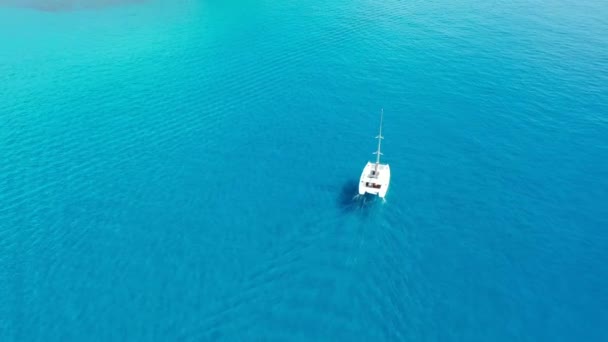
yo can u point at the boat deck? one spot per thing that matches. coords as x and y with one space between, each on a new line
375 182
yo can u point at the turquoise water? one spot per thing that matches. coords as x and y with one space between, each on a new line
185 171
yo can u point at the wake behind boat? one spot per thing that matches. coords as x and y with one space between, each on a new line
376 177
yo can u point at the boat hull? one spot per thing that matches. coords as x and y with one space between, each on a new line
375 179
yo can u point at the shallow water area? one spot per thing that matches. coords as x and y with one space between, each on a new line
66 5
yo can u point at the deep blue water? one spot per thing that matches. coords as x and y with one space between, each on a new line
185 170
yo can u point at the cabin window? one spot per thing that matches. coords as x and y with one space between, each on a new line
372 185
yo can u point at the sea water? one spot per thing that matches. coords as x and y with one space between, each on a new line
187 170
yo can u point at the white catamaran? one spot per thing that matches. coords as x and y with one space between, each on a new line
376 177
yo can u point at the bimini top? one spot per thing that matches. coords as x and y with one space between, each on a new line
376 177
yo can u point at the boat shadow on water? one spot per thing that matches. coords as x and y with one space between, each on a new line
350 201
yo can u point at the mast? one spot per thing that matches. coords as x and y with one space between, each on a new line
379 137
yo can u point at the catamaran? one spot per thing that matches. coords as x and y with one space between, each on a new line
375 177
